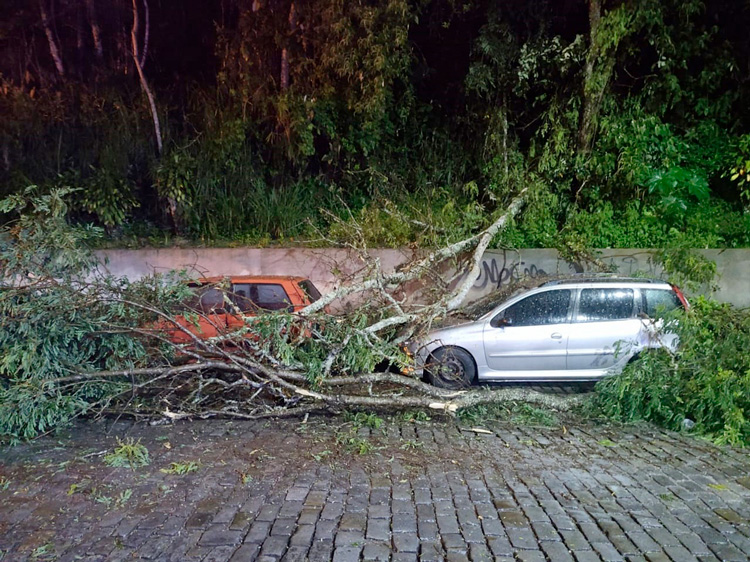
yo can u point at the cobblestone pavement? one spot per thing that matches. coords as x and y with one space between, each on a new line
330 490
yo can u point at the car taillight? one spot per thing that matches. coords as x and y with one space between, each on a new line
680 296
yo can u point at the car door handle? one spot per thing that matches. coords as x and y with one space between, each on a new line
556 336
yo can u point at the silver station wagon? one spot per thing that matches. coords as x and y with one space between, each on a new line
566 330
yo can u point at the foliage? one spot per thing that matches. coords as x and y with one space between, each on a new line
182 468
707 381
519 413
128 453
388 114
364 419
56 320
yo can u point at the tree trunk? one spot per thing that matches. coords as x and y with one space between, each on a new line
600 63
54 49
142 77
146 33
96 34
285 50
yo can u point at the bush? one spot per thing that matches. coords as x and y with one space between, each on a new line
707 381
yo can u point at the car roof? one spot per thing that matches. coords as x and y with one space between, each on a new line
250 279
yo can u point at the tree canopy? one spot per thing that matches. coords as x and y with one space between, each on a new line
240 120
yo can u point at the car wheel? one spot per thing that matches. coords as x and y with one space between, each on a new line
451 367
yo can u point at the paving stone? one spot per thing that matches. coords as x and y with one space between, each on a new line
295 554
404 557
402 506
680 554
500 546
405 542
347 554
643 541
303 535
377 551
378 530
545 531
557 551
586 556
530 556
258 532
332 511
456 556
522 537
473 534
607 551
218 536
325 530
513 519
283 527
728 553
268 512
430 551
453 541
427 530
321 551
695 545
274 546
479 552
308 516
492 527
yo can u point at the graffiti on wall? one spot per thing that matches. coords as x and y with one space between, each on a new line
495 273
504 269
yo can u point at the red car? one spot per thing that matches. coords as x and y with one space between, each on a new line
248 295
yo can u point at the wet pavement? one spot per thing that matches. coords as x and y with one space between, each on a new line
334 490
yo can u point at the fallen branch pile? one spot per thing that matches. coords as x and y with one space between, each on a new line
105 347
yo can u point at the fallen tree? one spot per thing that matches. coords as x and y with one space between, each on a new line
76 341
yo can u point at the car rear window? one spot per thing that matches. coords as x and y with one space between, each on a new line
249 297
549 307
601 305
657 302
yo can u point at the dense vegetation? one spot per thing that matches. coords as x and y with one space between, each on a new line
705 387
239 121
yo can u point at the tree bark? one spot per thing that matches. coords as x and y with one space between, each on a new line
96 34
597 74
146 34
142 77
54 49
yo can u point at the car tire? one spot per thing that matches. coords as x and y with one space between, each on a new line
451 367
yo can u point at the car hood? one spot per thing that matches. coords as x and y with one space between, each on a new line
453 335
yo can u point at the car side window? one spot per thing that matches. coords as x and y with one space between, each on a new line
310 290
249 297
601 305
657 302
549 307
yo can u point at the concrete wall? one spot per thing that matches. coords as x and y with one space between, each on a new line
330 267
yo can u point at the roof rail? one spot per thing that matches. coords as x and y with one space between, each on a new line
601 278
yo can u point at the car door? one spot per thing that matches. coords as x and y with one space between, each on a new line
605 330
530 335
